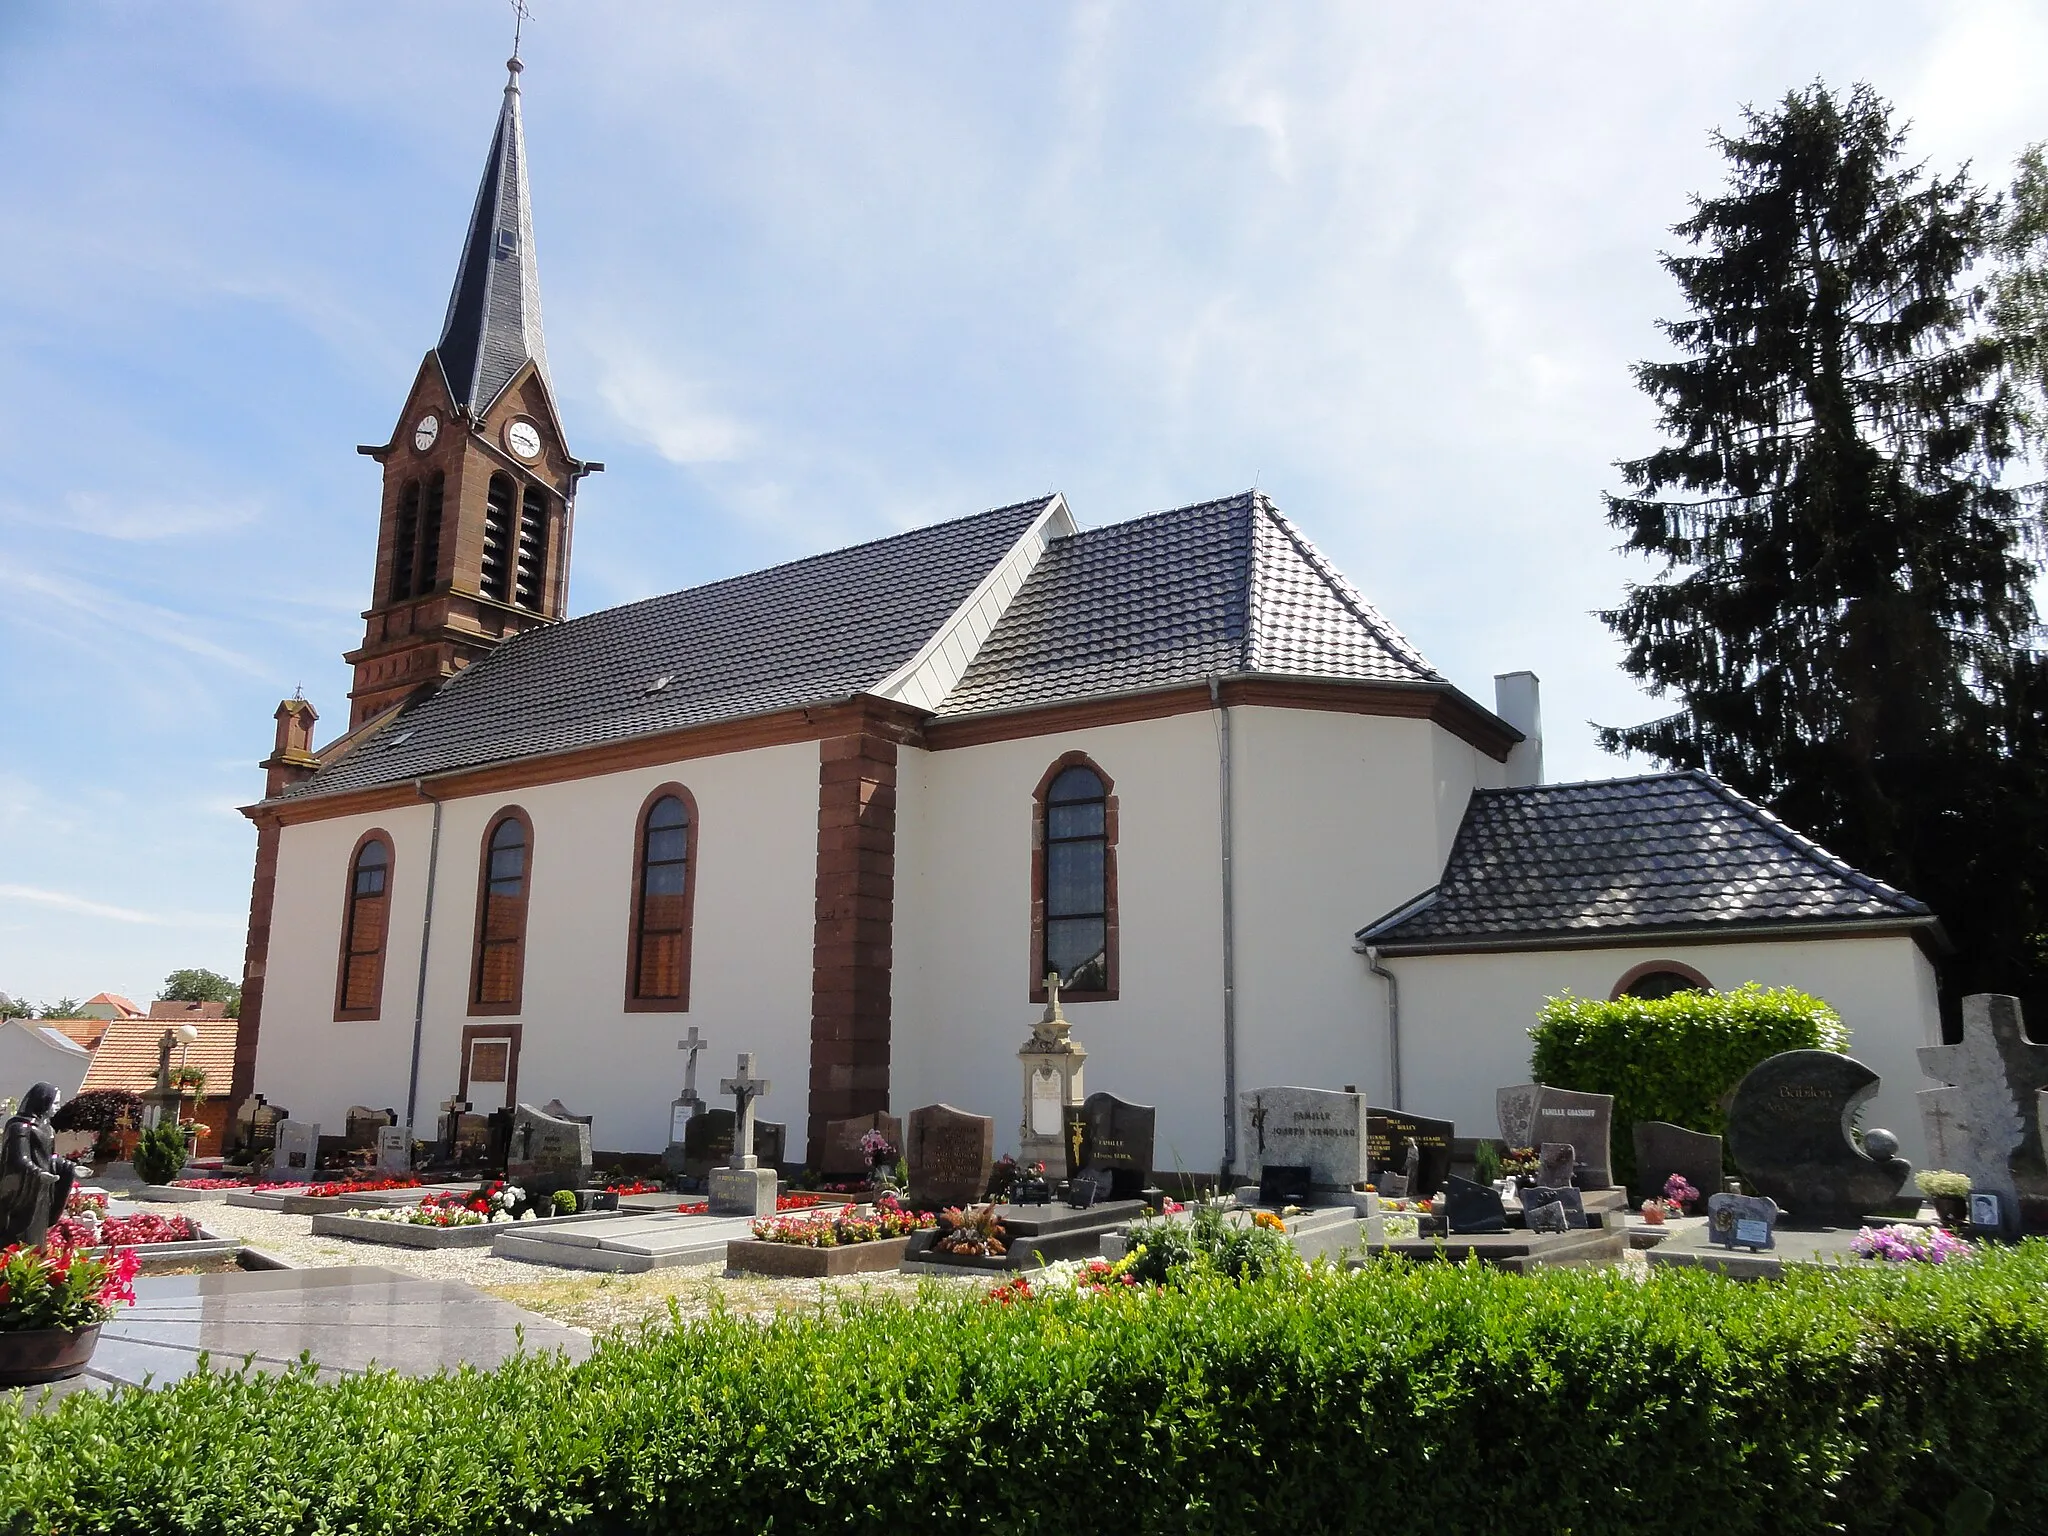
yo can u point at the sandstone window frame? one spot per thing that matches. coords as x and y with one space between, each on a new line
1041 919
354 958
637 931
512 932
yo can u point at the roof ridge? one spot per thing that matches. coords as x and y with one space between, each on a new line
1340 587
1799 842
1634 778
1153 517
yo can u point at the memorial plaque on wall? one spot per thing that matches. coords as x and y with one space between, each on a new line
1388 1136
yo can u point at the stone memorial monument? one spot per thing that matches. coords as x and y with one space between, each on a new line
547 1152
1742 1221
743 1187
394 1149
1984 1125
951 1155
1051 1061
684 1108
1533 1113
1116 1145
1314 1128
295 1157
1473 1208
707 1143
1390 1133
1789 1132
1556 1162
1566 1198
841 1157
1663 1149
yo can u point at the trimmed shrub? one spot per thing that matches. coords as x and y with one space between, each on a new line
1674 1058
160 1153
101 1109
1398 1399
1176 1252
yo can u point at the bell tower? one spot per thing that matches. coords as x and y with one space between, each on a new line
479 485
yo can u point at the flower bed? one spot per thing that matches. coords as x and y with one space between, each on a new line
850 1240
1904 1244
633 1187
801 1200
145 1229
208 1184
335 1188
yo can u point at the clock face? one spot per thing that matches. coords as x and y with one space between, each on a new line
523 438
424 434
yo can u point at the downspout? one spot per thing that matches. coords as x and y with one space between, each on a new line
1229 932
419 1003
1372 963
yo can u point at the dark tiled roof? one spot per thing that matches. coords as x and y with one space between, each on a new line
1178 597
1671 850
493 322
810 632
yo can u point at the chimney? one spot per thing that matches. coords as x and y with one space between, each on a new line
1516 699
292 759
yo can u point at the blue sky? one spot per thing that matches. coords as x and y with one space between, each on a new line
813 274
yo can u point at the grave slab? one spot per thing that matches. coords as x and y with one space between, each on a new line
627 1245
1518 1252
404 1234
1689 1245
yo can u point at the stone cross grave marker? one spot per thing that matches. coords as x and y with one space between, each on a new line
1116 1145
689 1104
745 1088
1408 1146
1314 1128
951 1155
296 1153
1982 1124
1788 1131
1663 1149
743 1187
453 1108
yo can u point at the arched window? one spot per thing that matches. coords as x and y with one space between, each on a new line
531 565
500 538
429 570
664 885
1074 923
405 535
365 925
498 972
1658 979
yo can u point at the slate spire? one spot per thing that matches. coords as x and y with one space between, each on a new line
493 323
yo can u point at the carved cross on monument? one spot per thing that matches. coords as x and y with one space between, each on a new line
693 1043
1994 1073
744 1088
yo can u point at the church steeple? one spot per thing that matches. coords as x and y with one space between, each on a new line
493 324
479 486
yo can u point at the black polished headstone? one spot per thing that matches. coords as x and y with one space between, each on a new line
1549 1217
1389 1133
1663 1149
1083 1191
1470 1207
1116 1140
1789 1132
707 1143
1284 1184
1538 1195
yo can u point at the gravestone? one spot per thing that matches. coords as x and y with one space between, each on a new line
1549 1217
951 1155
1282 1184
841 1156
296 1154
546 1152
1586 1122
1788 1131
261 1120
1313 1128
394 1149
707 1143
1983 1125
1742 1221
771 1140
685 1107
1515 1108
1470 1207
1663 1149
359 1127
1566 1197
1555 1164
742 1187
1389 1136
1116 1144
562 1111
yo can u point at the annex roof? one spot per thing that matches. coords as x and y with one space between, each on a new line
811 632
1550 863
1213 589
127 1054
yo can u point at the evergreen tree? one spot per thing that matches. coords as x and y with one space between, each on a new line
1845 596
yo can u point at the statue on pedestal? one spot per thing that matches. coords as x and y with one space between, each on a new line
1051 1061
34 1181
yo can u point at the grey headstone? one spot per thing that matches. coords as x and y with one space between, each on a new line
1984 1126
1566 1197
1550 1217
1555 1164
1516 1110
1413 1146
1470 1207
1742 1221
841 1158
1116 1144
1313 1128
1788 1131
951 1155
707 1143
1393 1185
394 1149
546 1152
295 1156
1663 1149
741 1191
1586 1122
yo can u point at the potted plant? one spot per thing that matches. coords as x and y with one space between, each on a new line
1950 1193
53 1300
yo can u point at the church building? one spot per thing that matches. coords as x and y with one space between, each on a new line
850 812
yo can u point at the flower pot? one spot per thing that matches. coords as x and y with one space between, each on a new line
1952 1211
36 1355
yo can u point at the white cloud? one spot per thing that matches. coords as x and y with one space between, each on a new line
137 520
668 411
85 908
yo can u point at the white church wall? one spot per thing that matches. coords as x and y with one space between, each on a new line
750 986
1339 818
962 941
1465 1018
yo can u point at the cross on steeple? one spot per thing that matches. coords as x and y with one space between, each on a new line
520 11
744 1088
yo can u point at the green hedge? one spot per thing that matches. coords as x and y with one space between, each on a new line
1674 1058
1401 1399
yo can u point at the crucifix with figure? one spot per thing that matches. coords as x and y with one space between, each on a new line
745 1087
686 1108
743 1187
